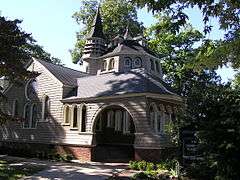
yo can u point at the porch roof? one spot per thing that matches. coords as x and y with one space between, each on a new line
111 84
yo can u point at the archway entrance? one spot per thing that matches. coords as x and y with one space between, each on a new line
114 135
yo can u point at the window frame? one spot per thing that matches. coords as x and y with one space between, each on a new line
134 62
130 62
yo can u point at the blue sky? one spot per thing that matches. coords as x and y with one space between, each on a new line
52 25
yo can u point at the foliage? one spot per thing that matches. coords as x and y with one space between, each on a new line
221 147
16 49
213 53
149 170
116 15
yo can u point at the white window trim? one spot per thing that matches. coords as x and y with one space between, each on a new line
64 115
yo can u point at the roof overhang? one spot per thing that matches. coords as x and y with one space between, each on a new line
164 97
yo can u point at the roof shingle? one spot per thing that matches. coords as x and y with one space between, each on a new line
66 75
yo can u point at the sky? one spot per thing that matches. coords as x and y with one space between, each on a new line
51 24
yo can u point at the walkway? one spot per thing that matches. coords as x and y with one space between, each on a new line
76 170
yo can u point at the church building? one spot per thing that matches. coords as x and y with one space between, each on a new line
117 110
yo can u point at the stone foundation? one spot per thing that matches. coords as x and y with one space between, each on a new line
154 155
107 153
45 151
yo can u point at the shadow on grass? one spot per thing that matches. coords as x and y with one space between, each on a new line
13 169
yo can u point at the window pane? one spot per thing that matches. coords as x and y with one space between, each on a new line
34 116
75 123
83 123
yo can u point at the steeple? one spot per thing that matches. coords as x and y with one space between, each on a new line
95 44
96 28
127 35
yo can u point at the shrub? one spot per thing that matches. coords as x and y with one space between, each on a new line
142 165
133 165
150 166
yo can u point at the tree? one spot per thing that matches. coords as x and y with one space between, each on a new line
213 53
116 15
16 49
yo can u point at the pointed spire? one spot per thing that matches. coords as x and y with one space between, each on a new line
96 28
127 35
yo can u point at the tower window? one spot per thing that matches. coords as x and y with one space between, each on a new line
111 64
152 65
128 62
138 62
104 65
157 66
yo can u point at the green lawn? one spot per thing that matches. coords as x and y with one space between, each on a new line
12 170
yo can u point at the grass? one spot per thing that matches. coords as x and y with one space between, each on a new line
13 170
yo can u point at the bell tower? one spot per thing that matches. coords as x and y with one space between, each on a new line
95 43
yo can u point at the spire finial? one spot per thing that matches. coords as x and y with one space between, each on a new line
97 29
127 35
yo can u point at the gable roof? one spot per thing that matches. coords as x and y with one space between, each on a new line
110 84
65 75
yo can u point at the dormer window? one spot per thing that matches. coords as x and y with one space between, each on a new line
111 64
128 62
104 65
137 62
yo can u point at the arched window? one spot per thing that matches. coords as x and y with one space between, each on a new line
67 114
26 116
111 64
118 120
15 110
157 66
83 118
152 65
104 66
75 117
152 116
137 62
45 108
31 89
127 62
33 116
110 119
126 122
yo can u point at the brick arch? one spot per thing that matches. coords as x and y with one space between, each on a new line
103 107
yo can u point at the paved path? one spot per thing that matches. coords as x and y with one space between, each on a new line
75 170
86 171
